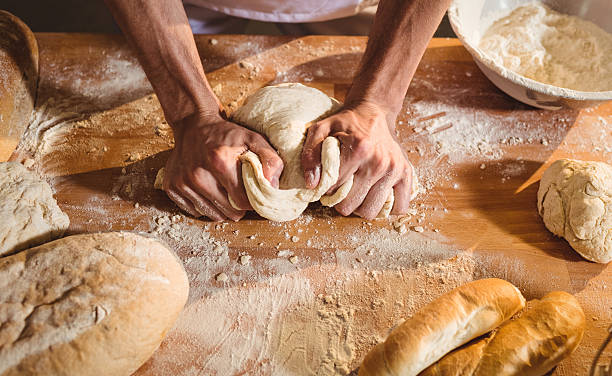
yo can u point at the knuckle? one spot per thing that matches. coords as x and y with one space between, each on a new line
216 157
257 139
363 146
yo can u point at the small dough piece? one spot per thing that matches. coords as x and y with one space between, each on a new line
547 332
30 215
159 179
283 114
575 202
93 304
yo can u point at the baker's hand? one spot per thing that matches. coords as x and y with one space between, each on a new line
204 166
370 152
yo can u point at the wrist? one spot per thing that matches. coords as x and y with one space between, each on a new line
200 117
363 105
389 104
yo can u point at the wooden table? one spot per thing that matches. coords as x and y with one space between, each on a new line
100 137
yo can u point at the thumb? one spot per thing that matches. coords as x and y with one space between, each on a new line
270 161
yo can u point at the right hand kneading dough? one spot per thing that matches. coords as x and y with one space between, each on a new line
283 113
449 321
95 304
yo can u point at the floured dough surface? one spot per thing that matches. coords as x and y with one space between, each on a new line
93 304
575 202
554 48
30 215
283 114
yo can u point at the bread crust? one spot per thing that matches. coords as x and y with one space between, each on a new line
444 324
548 331
94 304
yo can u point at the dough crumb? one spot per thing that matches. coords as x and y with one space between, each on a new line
213 41
221 277
246 65
293 259
244 259
28 163
133 157
418 229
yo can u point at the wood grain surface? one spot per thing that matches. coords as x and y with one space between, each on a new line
100 137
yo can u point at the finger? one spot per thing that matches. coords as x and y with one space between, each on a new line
348 164
227 171
201 204
376 198
231 181
402 192
361 186
204 185
182 203
311 153
270 161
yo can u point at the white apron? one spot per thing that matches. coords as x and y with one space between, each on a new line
285 11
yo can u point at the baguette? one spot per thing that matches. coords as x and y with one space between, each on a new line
546 333
447 322
95 304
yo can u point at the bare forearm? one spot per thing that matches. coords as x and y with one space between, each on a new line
400 34
159 32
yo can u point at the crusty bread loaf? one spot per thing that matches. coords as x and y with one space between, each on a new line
549 330
444 324
95 304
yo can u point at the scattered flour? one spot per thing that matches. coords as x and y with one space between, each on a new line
319 319
544 45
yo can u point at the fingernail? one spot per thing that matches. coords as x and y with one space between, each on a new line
308 178
274 181
312 177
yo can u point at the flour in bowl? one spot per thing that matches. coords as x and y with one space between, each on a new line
547 46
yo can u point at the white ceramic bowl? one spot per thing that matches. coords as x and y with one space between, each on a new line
471 18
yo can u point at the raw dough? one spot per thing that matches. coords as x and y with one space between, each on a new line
283 114
94 304
575 202
550 47
30 215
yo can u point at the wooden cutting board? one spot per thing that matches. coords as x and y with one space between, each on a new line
313 295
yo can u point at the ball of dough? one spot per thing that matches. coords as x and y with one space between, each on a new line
30 215
575 202
283 114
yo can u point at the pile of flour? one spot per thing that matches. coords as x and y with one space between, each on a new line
553 48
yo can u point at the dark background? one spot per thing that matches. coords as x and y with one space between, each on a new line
93 17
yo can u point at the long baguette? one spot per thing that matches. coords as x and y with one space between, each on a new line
547 332
444 324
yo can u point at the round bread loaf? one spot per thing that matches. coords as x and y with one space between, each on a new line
95 304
